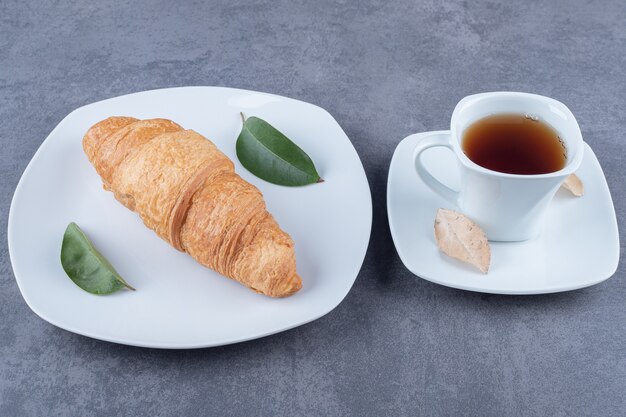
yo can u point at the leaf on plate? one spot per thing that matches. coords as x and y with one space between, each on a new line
271 156
574 185
462 239
86 266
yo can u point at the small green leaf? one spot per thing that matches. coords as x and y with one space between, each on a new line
86 266
271 156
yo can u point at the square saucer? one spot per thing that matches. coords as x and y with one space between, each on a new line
578 247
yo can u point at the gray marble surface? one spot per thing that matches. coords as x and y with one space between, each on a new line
397 345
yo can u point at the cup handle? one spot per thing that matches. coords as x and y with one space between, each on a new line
434 139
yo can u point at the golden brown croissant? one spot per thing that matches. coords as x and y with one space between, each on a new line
187 191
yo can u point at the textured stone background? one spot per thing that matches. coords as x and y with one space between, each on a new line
397 345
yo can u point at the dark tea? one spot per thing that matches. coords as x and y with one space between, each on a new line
514 144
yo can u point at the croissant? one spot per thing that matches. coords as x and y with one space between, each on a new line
187 191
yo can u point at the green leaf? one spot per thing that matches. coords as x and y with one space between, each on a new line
271 156
86 266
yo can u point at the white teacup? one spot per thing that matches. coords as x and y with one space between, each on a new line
509 207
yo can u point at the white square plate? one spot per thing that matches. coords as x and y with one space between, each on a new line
179 303
578 247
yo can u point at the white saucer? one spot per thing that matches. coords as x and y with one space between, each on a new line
579 245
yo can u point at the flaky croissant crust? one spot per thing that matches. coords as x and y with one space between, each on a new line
187 191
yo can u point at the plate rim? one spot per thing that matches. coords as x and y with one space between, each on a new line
547 290
216 342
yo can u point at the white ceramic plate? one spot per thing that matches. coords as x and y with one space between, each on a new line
179 303
579 245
